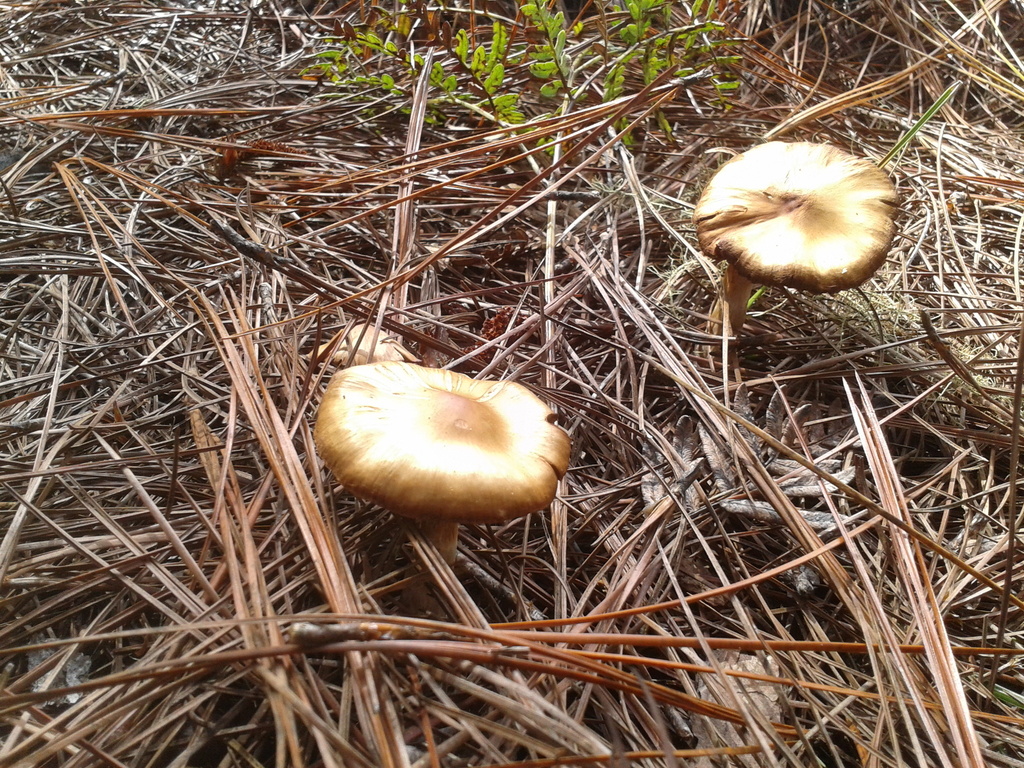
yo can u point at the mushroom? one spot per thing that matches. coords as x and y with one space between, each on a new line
439 447
799 215
361 345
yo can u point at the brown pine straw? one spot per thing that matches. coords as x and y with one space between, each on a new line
796 547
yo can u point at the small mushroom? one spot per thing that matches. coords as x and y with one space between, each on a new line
361 345
439 447
799 215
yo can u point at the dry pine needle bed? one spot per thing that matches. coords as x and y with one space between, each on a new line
805 555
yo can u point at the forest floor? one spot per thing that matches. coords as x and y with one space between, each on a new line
796 547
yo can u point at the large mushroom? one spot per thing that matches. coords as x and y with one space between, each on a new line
439 447
799 215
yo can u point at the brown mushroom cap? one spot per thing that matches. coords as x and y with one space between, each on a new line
431 444
800 215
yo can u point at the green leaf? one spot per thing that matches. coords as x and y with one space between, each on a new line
499 43
626 137
461 46
559 43
505 101
551 89
403 24
479 56
613 82
663 123
1005 695
494 79
371 40
652 68
928 115
505 108
543 69
436 73
449 84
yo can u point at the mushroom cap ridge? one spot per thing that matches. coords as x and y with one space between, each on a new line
800 215
432 444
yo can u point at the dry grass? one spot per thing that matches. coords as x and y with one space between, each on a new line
165 520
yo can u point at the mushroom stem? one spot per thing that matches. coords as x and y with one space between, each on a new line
736 290
443 534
